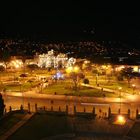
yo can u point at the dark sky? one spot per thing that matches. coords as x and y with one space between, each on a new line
71 20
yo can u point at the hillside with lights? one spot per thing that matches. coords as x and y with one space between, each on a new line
103 51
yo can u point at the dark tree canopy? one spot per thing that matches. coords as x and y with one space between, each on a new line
2 68
128 74
86 81
32 66
5 57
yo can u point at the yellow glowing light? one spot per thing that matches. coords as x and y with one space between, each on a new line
69 69
119 68
132 98
121 120
135 69
72 69
108 66
133 85
85 61
16 63
17 66
104 66
76 69
120 88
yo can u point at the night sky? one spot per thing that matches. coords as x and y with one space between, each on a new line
71 20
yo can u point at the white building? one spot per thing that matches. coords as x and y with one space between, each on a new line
50 60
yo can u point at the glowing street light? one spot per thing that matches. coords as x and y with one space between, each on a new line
120 88
120 120
72 69
97 79
133 85
69 69
76 69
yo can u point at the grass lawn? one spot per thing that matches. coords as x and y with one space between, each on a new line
17 87
62 89
113 85
41 126
10 121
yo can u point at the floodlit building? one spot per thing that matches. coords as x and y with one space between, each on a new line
17 63
50 60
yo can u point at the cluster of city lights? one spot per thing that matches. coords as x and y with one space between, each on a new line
16 63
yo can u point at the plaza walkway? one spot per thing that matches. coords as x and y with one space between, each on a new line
16 127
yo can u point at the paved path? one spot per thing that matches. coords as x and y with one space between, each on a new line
16 127
33 94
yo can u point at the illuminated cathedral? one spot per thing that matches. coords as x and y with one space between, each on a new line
50 60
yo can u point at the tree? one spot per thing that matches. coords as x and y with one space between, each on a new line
2 68
6 57
23 61
32 67
86 66
30 81
128 74
76 77
86 81
2 106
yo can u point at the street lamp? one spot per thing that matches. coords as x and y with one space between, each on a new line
120 120
41 87
76 69
97 80
120 88
21 91
133 85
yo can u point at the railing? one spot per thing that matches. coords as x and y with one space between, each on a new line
77 110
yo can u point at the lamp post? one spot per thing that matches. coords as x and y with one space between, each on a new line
133 86
120 88
96 79
41 87
120 118
21 91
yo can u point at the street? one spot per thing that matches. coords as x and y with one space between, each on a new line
82 103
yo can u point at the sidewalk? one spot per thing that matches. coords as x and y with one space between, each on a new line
107 89
16 127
